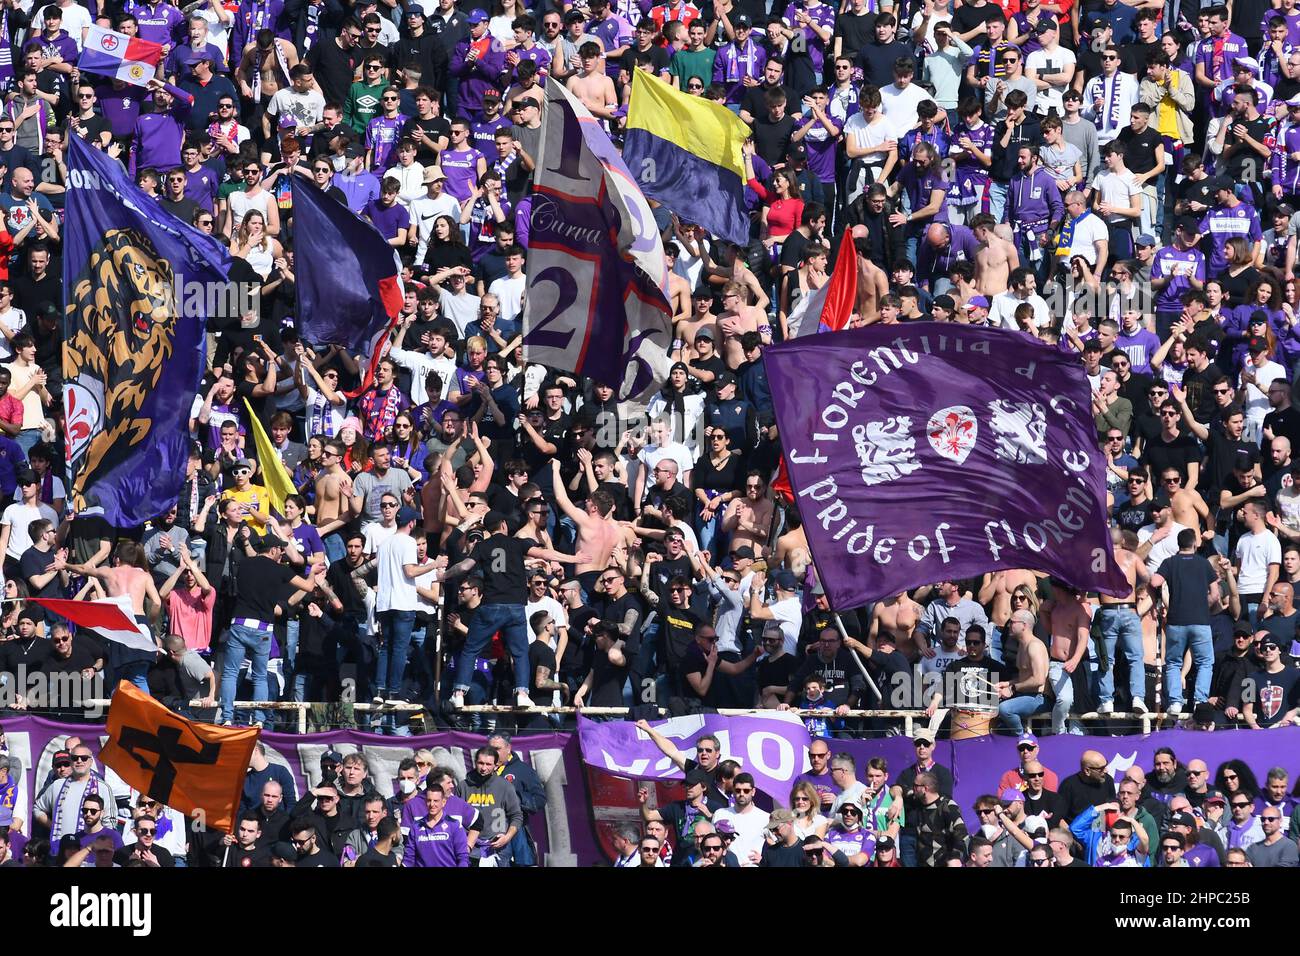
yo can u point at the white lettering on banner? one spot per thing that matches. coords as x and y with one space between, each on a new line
784 769
547 218
549 765
887 451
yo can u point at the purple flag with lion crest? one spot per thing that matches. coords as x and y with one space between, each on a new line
928 451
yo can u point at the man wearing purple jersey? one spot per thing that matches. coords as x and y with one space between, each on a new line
58 50
819 774
158 135
437 839
1285 159
943 244
1135 340
158 22
483 134
809 26
1176 269
819 134
1228 217
201 183
972 148
850 837
463 164
478 64
454 808
382 131
614 33
358 185
739 60
1214 56
526 48
389 216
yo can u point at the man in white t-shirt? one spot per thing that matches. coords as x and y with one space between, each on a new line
746 820
1022 287
1258 558
396 603
300 99
900 99
1258 372
14 539
426 210
509 288
786 610
1051 67
1159 540
1089 238
1117 199
377 532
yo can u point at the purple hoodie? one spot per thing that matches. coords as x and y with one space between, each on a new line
934 263
62 44
479 75
1034 200
158 136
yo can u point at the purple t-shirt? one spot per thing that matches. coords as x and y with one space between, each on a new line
852 842
388 220
159 22
919 186
483 136
381 136
1222 223
823 15
201 186
1139 347
970 176
120 107
613 32
461 168
820 145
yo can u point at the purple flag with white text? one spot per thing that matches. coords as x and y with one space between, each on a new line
773 746
596 301
928 451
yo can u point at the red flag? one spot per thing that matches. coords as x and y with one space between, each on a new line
106 618
781 483
842 290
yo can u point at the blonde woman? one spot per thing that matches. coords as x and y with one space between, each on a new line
804 804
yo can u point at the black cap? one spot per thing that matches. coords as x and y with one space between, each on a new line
797 153
1159 501
284 851
741 21
725 378
1188 224
1269 641
1242 461
1223 182
1243 627
1182 819
700 777
1258 317
574 16
946 302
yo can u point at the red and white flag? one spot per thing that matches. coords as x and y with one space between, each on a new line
111 618
829 308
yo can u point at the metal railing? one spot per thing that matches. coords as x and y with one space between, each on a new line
911 719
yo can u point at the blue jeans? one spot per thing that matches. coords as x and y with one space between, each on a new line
244 642
998 199
1014 710
28 438
488 619
1121 624
1177 639
708 531
397 645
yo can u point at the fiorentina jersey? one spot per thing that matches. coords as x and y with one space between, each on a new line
1179 267
970 178
1221 224
461 167
381 137
851 842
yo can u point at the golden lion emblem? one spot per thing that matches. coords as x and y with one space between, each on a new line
121 320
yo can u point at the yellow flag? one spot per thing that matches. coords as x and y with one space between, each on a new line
277 481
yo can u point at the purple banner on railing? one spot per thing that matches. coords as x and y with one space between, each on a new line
582 799
772 746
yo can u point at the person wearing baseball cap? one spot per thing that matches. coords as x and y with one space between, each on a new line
977 310
783 846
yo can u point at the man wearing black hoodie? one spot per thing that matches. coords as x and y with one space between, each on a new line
1090 787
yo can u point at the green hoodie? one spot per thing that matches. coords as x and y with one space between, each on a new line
362 105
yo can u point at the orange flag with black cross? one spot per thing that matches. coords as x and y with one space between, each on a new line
196 768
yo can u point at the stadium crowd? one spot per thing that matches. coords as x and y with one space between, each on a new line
471 529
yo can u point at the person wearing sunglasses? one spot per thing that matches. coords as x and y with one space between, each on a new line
61 804
145 847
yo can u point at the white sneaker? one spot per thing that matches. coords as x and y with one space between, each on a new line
1106 707
457 700
1140 705
1174 709
523 700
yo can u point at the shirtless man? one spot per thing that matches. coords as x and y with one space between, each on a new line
1068 620
271 64
792 552
699 316
591 84
897 617
130 578
735 320
1022 698
749 519
995 594
873 285
1121 626
679 290
598 532
1190 509
995 259
333 501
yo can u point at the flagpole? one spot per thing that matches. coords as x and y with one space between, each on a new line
844 635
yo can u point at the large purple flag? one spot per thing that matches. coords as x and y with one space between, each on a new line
596 301
929 451
138 284
773 746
